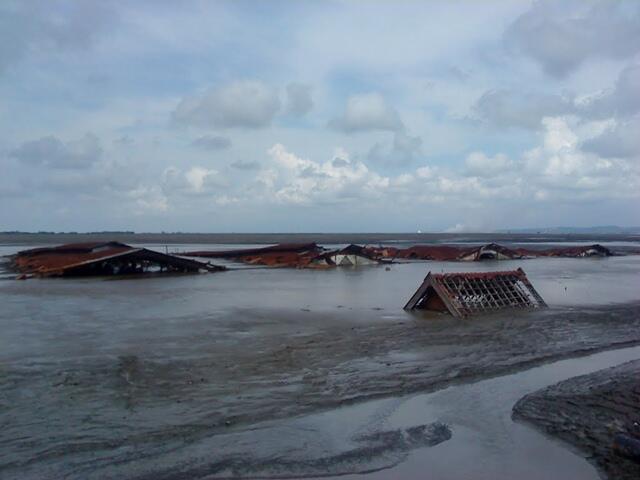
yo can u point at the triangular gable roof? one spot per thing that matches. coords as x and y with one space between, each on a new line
464 294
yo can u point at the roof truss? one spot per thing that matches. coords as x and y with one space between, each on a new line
465 294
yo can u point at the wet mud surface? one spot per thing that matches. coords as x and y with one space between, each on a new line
587 412
268 373
91 414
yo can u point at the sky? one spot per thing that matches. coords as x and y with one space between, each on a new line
310 116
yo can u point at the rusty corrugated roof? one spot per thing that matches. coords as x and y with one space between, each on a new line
484 252
243 252
80 257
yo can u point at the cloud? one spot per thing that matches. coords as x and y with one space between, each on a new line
66 69
194 181
619 141
241 165
300 181
481 165
458 73
507 108
299 100
559 165
339 162
366 113
48 27
241 104
212 142
560 36
148 200
622 100
404 150
51 152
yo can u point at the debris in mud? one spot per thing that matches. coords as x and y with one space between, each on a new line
101 258
464 294
597 413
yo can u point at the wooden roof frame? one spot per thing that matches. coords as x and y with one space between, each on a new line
465 294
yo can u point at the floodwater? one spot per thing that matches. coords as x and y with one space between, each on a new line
133 378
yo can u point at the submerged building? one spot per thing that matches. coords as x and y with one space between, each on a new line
352 256
101 258
465 294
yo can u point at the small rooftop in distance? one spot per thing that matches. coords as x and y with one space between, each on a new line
465 294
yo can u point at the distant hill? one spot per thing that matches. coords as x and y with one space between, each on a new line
603 229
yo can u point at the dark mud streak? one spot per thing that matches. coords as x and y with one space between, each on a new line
102 410
384 449
587 412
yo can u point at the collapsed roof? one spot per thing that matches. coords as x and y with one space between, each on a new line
298 255
490 251
293 255
246 252
311 255
352 255
101 258
465 294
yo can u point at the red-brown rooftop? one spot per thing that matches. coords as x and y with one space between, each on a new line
100 258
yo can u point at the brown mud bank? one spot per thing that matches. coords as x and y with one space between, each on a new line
588 412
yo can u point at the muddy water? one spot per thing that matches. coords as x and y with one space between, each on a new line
57 319
140 377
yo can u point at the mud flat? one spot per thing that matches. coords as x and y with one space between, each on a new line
587 412
89 416
269 372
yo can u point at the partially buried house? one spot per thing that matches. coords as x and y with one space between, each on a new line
465 294
352 256
101 258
